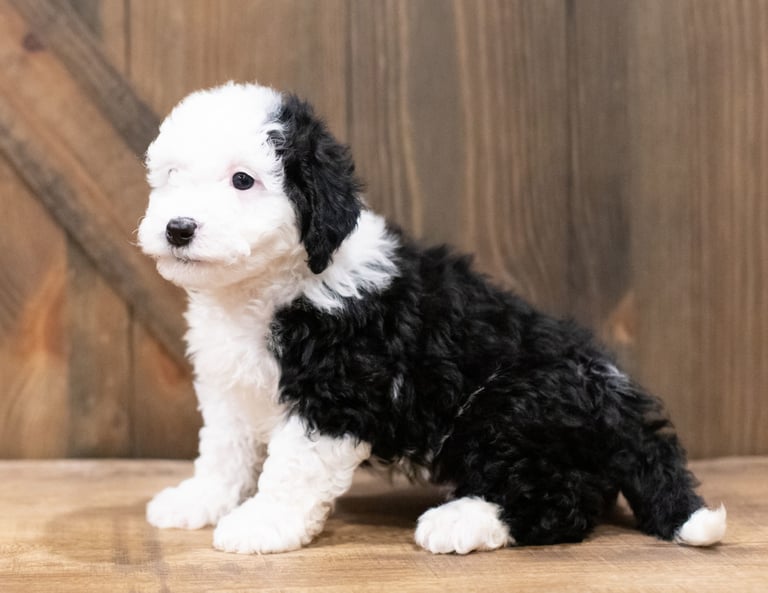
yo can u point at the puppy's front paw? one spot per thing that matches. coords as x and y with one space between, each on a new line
191 505
259 527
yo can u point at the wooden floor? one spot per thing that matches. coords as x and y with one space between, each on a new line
78 526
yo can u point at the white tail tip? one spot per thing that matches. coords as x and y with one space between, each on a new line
703 528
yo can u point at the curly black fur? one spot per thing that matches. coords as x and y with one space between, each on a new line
319 179
444 369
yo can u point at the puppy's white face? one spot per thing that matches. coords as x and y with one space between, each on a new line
218 212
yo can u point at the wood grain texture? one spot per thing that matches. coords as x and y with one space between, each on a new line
605 158
514 80
394 108
160 406
106 24
599 262
459 127
297 45
730 229
67 27
100 366
79 526
164 415
34 350
698 192
92 184
82 171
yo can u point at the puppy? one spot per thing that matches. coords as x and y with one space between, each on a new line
322 337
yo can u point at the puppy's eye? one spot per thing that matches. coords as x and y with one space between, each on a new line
242 180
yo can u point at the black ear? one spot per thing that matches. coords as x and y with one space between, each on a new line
319 178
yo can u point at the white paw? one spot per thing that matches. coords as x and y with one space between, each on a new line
461 526
190 505
260 527
705 527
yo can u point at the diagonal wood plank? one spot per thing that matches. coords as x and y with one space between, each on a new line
162 410
83 211
98 325
59 26
34 346
79 167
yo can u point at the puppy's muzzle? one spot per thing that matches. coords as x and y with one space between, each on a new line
180 231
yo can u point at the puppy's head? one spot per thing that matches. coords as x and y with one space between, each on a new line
245 180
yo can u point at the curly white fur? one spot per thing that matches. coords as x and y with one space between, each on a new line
705 527
462 526
302 477
247 260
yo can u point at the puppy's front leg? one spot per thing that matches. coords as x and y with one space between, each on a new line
303 475
226 469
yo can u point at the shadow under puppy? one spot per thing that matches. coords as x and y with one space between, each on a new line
321 337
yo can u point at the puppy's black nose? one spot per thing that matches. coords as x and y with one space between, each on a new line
180 231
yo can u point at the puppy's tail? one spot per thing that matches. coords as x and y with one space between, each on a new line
652 473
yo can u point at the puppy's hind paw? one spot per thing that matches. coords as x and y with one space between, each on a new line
705 527
461 526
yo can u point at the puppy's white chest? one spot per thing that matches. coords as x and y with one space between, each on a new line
232 362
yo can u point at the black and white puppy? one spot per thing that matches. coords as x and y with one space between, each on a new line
322 337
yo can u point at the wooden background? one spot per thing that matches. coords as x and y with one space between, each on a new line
608 159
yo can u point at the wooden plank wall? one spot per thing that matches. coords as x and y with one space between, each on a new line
608 159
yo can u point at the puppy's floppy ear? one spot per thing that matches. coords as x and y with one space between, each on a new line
319 178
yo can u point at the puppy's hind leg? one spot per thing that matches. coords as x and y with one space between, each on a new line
656 482
462 526
660 491
551 511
